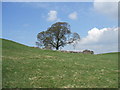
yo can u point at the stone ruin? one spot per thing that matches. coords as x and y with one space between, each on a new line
88 52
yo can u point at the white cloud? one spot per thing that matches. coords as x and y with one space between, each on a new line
106 0
96 35
106 8
52 16
73 15
99 40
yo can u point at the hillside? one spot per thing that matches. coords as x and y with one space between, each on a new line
27 67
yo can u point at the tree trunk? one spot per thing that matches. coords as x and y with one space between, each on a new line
57 48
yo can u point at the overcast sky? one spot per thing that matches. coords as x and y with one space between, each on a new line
96 22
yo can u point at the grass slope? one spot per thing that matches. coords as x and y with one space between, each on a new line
26 67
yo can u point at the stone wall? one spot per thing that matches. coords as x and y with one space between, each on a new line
85 52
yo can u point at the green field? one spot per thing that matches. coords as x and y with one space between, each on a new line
27 67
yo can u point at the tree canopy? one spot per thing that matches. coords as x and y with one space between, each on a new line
58 35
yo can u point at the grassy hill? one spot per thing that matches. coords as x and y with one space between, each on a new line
26 67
